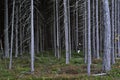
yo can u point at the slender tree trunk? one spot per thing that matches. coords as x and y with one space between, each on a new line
89 40
107 36
21 50
116 35
69 29
16 31
10 63
6 38
32 36
93 31
97 32
76 25
118 28
85 33
66 31
101 29
73 30
57 24
112 35
55 51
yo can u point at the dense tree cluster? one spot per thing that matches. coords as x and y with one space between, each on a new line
34 26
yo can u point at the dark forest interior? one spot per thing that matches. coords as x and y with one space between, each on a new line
60 39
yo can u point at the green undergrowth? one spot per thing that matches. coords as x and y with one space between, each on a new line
48 67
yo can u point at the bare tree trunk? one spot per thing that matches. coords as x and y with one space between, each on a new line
57 24
112 34
55 51
118 28
73 30
107 37
32 36
16 31
69 29
97 32
10 63
85 34
101 29
66 31
21 50
89 40
6 38
76 25
93 31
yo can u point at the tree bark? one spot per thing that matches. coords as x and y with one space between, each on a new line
89 40
97 32
76 25
6 38
16 31
93 31
32 36
66 31
107 36
85 34
57 25
69 27
118 28
112 34
11 50
55 51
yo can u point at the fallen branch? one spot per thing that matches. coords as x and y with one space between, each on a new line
100 74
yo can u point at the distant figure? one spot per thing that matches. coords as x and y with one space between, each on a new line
78 48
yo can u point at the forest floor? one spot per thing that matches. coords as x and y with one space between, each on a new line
48 67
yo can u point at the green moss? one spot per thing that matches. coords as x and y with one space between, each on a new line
51 68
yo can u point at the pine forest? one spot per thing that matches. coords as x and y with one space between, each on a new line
60 40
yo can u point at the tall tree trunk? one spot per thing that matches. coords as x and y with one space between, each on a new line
57 24
89 39
97 32
101 29
21 49
66 31
55 51
69 28
85 34
93 31
32 36
10 63
6 38
16 31
73 30
112 34
76 25
118 28
107 36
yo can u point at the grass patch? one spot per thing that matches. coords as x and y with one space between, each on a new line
51 68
